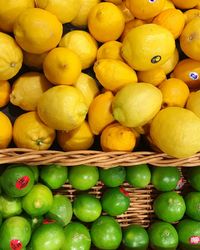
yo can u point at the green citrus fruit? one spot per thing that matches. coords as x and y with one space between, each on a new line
112 177
10 206
35 172
194 177
192 202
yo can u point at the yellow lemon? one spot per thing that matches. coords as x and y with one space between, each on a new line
34 61
5 131
126 12
153 76
193 102
185 4
5 90
62 66
171 63
175 93
27 89
64 10
80 138
37 30
81 18
115 1
10 10
114 74
30 132
106 22
168 5
176 132
11 57
110 50
62 107
81 43
88 87
135 105
100 113
116 137
191 14
142 49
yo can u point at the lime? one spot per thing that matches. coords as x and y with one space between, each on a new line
189 234
169 206
83 177
35 172
15 233
112 177
77 237
48 236
38 201
163 235
87 207
10 206
106 233
115 201
135 237
35 221
54 176
165 178
192 202
17 180
0 219
194 177
61 210
139 176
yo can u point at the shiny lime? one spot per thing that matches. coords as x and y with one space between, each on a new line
112 177
194 177
35 172
192 202
10 206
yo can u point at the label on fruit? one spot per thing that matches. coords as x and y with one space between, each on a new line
180 184
194 75
152 1
22 182
15 245
123 191
194 240
156 59
48 221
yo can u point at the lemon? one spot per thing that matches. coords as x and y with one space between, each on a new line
27 89
168 5
193 102
81 43
171 63
88 87
153 76
136 104
37 30
191 14
110 50
5 89
11 57
113 74
80 138
62 107
5 131
34 61
142 49
64 10
176 131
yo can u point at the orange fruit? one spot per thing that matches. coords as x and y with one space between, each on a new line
5 90
185 4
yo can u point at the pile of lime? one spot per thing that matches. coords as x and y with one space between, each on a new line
35 215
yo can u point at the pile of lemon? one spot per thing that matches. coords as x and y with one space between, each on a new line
143 59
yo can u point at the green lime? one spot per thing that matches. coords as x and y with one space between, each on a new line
35 172
83 177
17 181
138 176
48 236
10 206
189 234
77 237
192 202
54 176
87 207
135 237
163 235
1 219
106 233
35 221
112 177
115 201
169 206
194 177
15 233
61 210
38 201
165 178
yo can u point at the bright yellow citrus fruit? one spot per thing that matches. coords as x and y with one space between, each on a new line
100 114
65 11
116 137
62 66
168 5
153 76
185 4
5 90
193 102
170 64
62 107
5 131
37 30
81 43
106 22
115 1
27 89
128 16
114 74
191 14
34 61
80 138
30 132
11 57
142 48
175 92
110 50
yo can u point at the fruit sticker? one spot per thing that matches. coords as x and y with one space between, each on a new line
194 75
194 240
22 182
156 59
123 191
152 1
16 245
180 184
48 221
